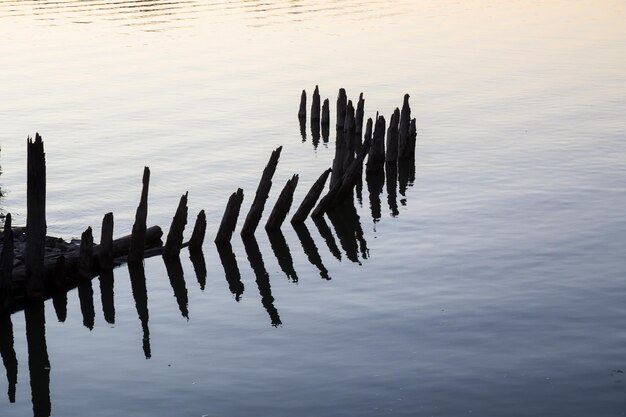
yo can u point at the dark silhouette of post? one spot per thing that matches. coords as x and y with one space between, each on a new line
262 278
38 362
138 237
349 137
140 294
7 351
315 106
105 250
326 113
229 219
174 241
283 204
404 140
262 193
231 270
360 112
376 158
107 294
198 233
35 217
310 250
177 281
282 253
311 198
413 137
302 110
7 257
391 157
85 263
87 309
342 103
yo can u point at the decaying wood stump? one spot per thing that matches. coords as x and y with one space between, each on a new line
315 105
302 111
138 239
311 198
199 231
404 139
106 242
391 157
360 112
229 219
85 262
342 103
326 113
174 241
35 216
282 206
376 158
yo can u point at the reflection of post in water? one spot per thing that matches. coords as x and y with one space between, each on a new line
406 176
391 171
327 235
308 245
359 189
375 184
229 262
107 295
262 278
38 362
199 265
85 294
346 222
140 294
325 133
8 353
59 302
282 253
315 132
302 121
177 281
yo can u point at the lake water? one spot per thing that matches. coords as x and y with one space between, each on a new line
493 283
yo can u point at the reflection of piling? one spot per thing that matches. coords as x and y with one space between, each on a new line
177 281
326 113
7 351
199 231
107 295
38 362
231 270
35 217
392 138
59 302
7 257
283 204
138 237
262 193
311 198
327 235
229 220
413 137
406 174
375 183
302 110
140 294
282 253
87 309
391 174
174 241
199 265
315 133
404 140
262 278
302 122
308 245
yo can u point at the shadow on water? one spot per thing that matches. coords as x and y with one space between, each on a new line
85 295
107 295
347 224
7 351
375 183
262 278
406 177
38 362
391 174
282 253
327 235
310 250
199 266
177 281
231 270
140 294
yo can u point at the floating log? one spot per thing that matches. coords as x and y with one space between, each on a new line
376 158
262 192
302 111
391 157
105 253
404 140
326 113
315 105
360 112
7 257
174 241
35 217
342 103
138 239
229 220
283 204
85 261
199 231
311 198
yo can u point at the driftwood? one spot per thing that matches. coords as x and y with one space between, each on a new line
311 198
199 231
391 157
282 206
376 158
315 105
138 240
229 219
106 242
36 216
325 113
174 241
302 111
404 140
342 103
262 192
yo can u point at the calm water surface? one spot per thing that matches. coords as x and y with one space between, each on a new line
493 283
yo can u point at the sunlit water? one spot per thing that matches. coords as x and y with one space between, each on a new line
496 288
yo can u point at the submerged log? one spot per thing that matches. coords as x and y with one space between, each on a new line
262 192
229 219
376 158
391 157
315 105
325 113
310 199
138 239
85 261
174 241
7 256
199 231
282 206
35 216
106 242
404 140
302 111
342 103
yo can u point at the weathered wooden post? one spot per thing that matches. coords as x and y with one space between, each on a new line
174 241
282 206
413 136
85 263
392 138
315 106
262 192
302 111
360 112
310 199
7 256
105 250
342 103
404 139
138 237
231 270
229 219
199 231
35 217
376 158
326 113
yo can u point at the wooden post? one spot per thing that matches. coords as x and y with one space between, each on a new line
404 139
376 158
7 256
349 136
35 217
262 192
360 112
199 231
85 263
302 111
138 238
229 220
174 241
342 103
105 251
310 199
283 204
315 105
413 136
326 113
392 138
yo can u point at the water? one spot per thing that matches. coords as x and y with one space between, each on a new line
496 288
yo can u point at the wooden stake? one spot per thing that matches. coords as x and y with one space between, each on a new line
282 206
229 219
138 238
174 241
310 199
